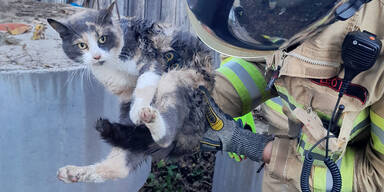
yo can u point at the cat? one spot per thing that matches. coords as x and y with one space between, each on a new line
155 70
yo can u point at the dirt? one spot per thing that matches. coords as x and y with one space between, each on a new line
192 173
20 52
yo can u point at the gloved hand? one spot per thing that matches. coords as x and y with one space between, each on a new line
238 157
228 135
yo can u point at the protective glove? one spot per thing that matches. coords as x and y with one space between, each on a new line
226 134
238 157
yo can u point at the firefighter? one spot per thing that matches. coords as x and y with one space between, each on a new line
286 56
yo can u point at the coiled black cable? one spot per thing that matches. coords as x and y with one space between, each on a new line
335 172
306 172
308 160
360 51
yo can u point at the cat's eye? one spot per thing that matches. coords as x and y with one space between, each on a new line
82 46
102 39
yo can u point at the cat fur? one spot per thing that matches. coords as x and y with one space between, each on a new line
135 68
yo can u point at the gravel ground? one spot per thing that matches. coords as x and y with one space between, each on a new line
20 52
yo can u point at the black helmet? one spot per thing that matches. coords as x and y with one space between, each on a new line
254 28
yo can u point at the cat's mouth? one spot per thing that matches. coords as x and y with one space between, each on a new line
101 62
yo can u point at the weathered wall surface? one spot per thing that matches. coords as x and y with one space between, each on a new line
232 176
47 122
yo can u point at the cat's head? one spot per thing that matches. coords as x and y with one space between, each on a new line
90 37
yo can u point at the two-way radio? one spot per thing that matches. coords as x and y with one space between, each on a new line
360 51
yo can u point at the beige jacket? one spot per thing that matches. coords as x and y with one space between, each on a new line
298 69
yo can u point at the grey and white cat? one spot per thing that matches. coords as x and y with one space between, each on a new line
155 70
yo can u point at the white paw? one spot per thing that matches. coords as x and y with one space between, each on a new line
74 174
147 114
69 174
134 113
156 126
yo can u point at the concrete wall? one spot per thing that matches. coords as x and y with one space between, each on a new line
46 122
232 176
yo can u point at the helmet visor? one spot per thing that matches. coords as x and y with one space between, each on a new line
260 24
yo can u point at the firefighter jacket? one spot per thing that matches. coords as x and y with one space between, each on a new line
303 101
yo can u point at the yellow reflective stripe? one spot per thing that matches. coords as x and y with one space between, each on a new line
276 107
364 114
256 75
231 155
347 169
376 119
245 77
316 153
227 68
377 132
211 144
249 79
359 124
248 119
226 60
239 87
377 145
235 156
292 101
322 178
319 178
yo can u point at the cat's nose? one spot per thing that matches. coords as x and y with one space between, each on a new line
97 57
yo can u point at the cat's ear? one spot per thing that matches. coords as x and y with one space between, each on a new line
105 16
61 28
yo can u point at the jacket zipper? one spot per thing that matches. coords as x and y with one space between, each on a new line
310 61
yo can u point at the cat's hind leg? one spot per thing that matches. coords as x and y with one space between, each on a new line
116 165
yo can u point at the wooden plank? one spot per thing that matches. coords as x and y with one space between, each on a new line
136 8
122 4
168 11
153 9
181 15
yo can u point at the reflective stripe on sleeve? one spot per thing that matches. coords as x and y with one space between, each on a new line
377 132
239 87
245 77
276 104
247 80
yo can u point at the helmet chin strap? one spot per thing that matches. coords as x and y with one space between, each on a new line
348 9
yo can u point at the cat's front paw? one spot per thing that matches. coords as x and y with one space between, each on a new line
134 114
103 126
147 114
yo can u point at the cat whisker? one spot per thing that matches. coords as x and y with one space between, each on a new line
90 78
72 76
